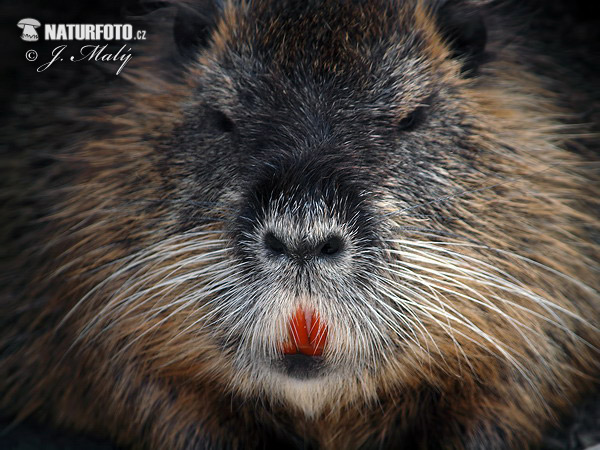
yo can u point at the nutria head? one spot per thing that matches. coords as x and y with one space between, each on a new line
309 136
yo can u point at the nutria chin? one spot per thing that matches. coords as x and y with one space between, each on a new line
322 224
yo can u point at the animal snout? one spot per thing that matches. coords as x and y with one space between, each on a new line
310 214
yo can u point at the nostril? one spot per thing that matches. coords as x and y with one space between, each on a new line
275 245
328 248
332 246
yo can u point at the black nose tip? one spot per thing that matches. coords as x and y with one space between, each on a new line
328 248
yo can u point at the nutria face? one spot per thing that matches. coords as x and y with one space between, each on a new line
315 156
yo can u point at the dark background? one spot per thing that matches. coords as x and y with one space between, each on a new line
571 26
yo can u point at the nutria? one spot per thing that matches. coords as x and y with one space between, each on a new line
308 224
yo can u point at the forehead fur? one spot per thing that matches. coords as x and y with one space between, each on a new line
330 37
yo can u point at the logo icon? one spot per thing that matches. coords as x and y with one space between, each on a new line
29 25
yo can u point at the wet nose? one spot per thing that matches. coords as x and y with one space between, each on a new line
282 245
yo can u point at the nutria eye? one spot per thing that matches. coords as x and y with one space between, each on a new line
411 121
222 122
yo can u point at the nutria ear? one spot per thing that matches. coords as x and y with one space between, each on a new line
194 22
462 23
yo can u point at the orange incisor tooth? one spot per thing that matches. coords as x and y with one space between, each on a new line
305 338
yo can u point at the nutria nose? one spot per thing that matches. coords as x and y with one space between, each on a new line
280 246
